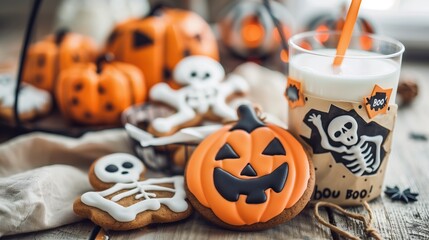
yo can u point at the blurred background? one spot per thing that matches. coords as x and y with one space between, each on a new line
405 20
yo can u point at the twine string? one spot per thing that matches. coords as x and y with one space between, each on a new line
367 220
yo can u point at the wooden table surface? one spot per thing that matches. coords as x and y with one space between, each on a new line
408 167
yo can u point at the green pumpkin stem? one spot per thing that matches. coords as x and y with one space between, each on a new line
247 119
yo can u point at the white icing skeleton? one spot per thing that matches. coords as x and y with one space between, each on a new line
125 170
203 90
357 152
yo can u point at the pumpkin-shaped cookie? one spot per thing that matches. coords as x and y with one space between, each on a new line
249 175
98 93
156 43
45 59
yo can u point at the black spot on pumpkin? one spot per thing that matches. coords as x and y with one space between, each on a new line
166 73
76 58
75 101
101 90
78 87
41 60
140 39
198 37
109 107
38 79
186 53
87 115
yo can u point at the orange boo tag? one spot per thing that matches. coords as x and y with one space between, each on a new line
377 102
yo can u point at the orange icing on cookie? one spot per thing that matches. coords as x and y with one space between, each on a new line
232 170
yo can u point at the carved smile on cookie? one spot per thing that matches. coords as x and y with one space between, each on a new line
249 172
231 187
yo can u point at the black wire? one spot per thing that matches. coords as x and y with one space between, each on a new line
278 25
27 36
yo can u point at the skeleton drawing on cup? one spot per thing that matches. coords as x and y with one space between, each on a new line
360 151
204 89
125 170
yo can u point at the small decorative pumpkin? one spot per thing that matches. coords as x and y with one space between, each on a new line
98 93
156 43
250 175
336 23
248 30
45 59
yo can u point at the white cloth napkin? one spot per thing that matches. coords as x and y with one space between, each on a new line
42 174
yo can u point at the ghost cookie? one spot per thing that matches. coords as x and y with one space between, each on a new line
32 102
126 200
204 95
249 175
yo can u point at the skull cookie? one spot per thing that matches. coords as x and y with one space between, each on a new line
126 200
116 168
204 94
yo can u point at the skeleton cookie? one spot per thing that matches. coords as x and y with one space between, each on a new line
204 94
357 150
131 202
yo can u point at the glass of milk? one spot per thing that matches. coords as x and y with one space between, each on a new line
346 113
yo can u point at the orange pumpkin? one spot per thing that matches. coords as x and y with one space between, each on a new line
248 29
250 172
98 93
45 59
331 23
158 42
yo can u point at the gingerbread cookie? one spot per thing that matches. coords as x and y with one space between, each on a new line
131 202
249 175
204 95
32 102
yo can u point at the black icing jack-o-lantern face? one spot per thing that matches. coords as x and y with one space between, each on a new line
253 185
250 175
